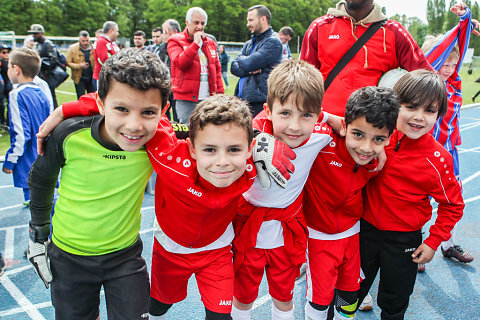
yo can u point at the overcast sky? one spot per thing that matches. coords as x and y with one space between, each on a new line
411 8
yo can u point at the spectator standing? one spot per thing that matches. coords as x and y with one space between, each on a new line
139 39
157 37
285 35
169 27
257 59
48 55
7 85
105 47
329 37
195 68
224 58
28 108
80 59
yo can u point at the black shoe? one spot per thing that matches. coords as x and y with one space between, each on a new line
458 253
2 265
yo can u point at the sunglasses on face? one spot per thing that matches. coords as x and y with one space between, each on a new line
4 52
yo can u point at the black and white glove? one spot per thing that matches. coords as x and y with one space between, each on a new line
272 159
37 253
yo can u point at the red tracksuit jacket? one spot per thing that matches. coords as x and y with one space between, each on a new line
398 199
333 193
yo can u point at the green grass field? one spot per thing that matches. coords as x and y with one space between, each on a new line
66 92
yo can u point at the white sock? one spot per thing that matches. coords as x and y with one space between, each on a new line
313 314
450 242
278 314
162 317
238 314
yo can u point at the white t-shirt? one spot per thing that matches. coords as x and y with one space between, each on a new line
204 90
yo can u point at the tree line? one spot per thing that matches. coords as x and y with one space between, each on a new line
226 18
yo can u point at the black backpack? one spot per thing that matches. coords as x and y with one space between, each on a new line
62 60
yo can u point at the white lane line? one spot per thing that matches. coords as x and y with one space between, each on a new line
66 92
266 298
11 312
472 199
146 230
14 227
6 186
9 243
462 150
470 178
11 207
18 270
469 126
22 301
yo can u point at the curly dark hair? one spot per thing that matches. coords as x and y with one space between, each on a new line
379 106
220 109
141 70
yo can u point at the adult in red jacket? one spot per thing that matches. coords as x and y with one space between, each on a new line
105 47
329 37
196 71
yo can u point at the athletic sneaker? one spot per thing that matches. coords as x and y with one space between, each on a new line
421 268
458 253
26 204
2 265
367 303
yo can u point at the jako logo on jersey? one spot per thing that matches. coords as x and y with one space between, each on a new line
334 37
144 316
410 250
225 303
115 156
335 163
194 192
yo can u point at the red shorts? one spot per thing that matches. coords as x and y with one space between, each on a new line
280 272
213 271
332 264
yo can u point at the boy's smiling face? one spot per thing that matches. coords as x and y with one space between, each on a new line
221 153
416 121
291 125
364 141
131 115
448 68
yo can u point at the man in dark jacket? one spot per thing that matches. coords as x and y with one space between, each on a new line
259 56
48 53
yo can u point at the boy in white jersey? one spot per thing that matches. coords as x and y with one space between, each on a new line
270 228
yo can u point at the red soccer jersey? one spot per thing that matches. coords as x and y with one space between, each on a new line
333 193
329 37
398 199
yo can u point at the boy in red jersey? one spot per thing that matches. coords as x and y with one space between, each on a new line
270 230
445 53
333 203
397 201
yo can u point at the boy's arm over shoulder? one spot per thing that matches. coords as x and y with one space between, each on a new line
447 193
44 172
85 106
